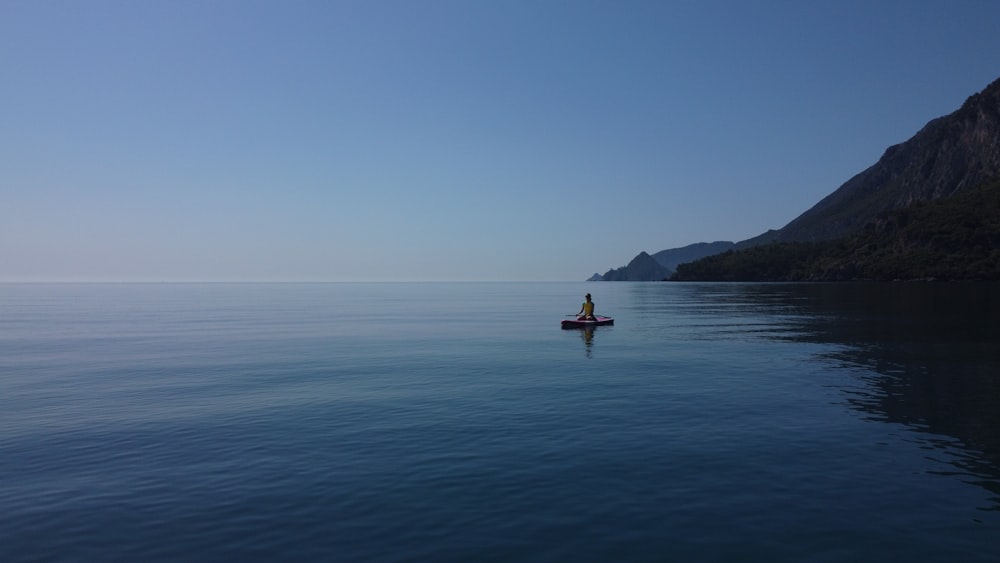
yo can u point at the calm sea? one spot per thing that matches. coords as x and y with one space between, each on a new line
458 422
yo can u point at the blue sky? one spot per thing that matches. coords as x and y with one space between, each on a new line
446 140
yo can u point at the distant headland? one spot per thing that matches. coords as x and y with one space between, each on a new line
929 209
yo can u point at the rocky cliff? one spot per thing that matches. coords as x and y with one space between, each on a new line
673 257
950 154
642 268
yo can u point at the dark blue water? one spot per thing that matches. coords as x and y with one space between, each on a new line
457 422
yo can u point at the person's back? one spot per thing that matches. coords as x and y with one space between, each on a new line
587 310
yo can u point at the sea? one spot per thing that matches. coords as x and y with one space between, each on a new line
459 422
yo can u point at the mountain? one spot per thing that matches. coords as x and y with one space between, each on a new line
642 268
950 154
669 259
952 238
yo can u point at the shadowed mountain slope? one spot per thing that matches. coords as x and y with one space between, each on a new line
950 154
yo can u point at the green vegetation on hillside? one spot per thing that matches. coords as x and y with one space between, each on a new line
956 238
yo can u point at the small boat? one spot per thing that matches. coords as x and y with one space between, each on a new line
596 321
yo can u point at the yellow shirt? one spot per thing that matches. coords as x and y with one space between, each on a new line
588 309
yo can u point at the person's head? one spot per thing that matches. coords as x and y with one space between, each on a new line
588 297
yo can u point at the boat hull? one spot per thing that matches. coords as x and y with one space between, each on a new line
598 321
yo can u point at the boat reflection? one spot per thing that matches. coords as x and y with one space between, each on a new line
587 335
588 340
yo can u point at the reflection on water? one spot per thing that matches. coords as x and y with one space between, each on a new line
587 334
924 355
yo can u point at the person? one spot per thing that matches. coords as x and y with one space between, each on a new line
586 310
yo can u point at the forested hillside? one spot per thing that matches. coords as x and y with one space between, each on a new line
956 238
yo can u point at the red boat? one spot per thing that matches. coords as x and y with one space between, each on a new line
596 321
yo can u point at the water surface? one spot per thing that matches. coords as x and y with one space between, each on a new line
387 422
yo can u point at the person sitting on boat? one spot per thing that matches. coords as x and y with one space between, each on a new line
586 310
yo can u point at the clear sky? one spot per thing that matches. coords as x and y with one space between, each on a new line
170 140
